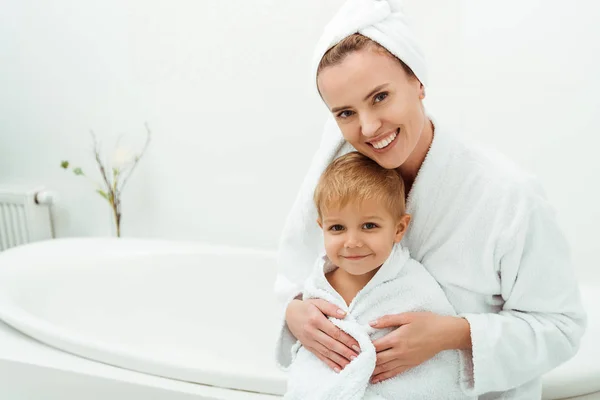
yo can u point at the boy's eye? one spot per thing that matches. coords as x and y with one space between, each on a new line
345 114
336 228
380 97
370 225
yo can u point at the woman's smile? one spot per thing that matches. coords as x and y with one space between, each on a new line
386 143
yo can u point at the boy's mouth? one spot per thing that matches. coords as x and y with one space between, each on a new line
355 257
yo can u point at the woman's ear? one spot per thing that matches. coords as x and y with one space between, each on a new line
401 227
422 92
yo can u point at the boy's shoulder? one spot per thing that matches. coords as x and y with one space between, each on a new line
414 270
415 290
403 269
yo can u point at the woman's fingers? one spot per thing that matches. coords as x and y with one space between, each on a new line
324 359
332 359
334 348
386 342
338 340
392 320
387 366
333 331
331 310
318 334
386 356
389 374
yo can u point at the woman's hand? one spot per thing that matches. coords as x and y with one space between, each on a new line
419 337
308 323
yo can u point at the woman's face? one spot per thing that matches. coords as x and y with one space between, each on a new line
376 105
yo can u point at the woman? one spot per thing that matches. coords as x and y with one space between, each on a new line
481 227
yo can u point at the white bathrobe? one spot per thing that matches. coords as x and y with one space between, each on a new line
400 285
485 231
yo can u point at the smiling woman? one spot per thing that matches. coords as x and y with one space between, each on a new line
386 124
480 225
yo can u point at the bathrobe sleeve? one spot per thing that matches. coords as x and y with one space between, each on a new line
542 319
299 246
286 292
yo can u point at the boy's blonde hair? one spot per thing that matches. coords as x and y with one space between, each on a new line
355 177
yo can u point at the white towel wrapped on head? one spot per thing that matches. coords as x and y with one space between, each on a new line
400 285
382 21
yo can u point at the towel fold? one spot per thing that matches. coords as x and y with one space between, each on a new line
400 285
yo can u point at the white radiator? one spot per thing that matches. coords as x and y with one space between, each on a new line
24 216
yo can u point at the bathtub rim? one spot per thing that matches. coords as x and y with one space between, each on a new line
259 381
18 348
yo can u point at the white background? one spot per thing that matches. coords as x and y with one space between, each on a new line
226 89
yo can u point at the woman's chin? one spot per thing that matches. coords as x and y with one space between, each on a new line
389 160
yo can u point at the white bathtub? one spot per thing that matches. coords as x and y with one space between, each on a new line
177 317
189 312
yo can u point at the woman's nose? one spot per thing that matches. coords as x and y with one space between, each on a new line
370 124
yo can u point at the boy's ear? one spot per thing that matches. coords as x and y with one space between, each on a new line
401 227
320 223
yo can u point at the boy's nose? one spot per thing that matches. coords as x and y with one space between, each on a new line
353 241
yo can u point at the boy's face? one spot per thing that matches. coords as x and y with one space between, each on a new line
359 237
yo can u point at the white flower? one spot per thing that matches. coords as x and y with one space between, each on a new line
122 157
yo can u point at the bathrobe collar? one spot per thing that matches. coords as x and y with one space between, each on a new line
388 271
430 181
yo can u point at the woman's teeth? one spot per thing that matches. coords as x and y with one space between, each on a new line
384 142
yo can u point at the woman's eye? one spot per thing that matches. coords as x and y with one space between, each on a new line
380 97
336 228
370 225
345 114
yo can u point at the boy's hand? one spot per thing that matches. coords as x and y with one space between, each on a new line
308 323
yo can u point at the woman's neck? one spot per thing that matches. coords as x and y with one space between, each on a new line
412 165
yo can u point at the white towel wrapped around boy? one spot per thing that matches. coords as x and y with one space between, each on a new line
399 285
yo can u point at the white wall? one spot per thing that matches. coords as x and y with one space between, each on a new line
531 89
225 87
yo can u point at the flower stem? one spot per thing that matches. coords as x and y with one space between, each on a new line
117 219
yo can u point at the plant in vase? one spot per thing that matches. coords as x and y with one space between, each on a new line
115 174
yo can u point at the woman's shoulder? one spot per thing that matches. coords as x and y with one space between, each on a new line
494 172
